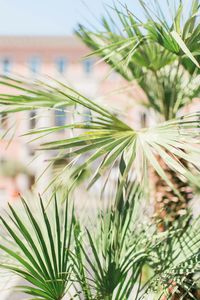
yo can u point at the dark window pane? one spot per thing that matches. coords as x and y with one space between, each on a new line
6 66
143 119
88 65
33 119
87 115
3 121
60 117
61 65
34 65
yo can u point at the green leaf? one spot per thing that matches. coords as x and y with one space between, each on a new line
184 48
46 266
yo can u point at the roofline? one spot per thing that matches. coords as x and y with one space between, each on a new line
44 41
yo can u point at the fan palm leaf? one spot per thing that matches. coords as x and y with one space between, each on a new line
106 137
40 257
113 255
151 52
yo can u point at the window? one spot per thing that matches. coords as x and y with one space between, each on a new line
61 64
32 119
34 65
6 66
60 117
143 119
87 115
88 65
3 121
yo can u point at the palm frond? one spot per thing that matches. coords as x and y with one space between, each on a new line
109 259
112 256
106 138
147 52
109 264
181 36
30 95
176 260
41 252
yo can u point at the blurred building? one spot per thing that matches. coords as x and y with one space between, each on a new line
61 58
58 57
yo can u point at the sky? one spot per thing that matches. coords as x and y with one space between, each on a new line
49 17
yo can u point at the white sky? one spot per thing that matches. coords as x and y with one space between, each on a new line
56 17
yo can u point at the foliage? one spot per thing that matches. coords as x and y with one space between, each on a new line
163 58
115 258
165 67
106 137
41 250
109 260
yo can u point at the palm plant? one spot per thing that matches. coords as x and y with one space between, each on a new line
162 56
163 59
104 261
111 260
107 263
106 137
39 252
